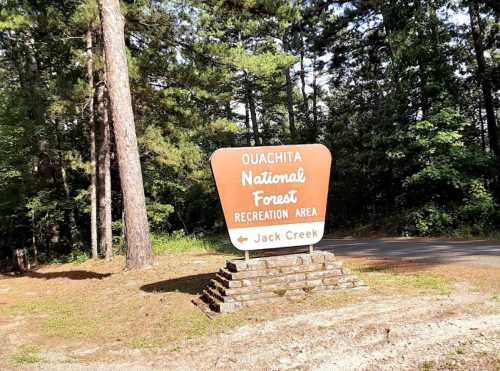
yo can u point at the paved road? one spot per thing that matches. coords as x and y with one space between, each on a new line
436 251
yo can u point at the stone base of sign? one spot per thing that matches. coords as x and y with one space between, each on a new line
277 278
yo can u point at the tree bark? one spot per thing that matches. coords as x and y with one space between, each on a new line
229 112
139 252
289 96
289 103
253 114
33 240
485 82
93 154
481 121
105 218
266 128
247 125
305 101
21 260
314 131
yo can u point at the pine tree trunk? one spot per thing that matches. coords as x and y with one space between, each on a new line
93 155
105 218
289 102
247 125
424 100
481 123
305 101
34 245
253 114
289 97
229 112
266 129
485 82
21 260
314 131
139 252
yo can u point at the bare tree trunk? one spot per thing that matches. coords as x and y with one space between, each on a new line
314 130
423 62
93 162
33 240
424 100
305 101
289 96
253 114
266 129
289 102
485 82
229 112
105 218
247 125
21 260
139 252
481 121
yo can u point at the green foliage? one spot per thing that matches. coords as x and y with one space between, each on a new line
74 257
10 20
86 14
178 241
158 216
264 64
446 190
428 220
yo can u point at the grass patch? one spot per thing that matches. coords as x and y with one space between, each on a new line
26 354
69 324
146 342
179 242
384 281
194 324
31 307
55 318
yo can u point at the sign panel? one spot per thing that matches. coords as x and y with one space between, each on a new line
273 196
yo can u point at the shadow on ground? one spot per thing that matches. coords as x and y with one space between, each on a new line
71 275
193 284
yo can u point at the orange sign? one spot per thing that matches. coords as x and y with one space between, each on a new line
273 196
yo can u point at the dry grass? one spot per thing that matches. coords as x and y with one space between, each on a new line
96 303
427 275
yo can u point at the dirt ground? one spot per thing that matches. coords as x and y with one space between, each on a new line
94 316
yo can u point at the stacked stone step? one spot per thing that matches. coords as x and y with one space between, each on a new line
277 278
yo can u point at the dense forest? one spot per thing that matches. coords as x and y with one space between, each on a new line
404 93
